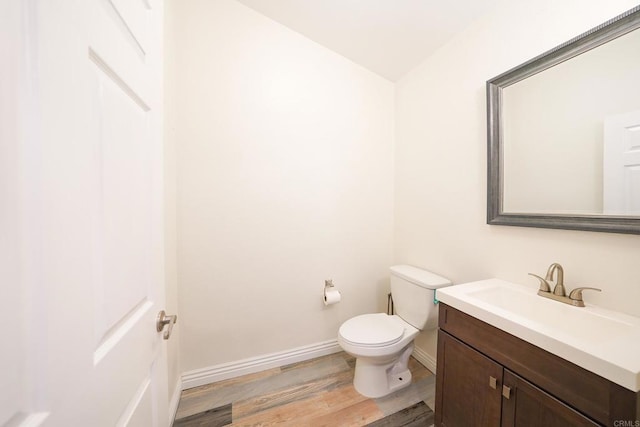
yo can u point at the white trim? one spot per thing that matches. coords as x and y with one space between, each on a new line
174 401
425 358
251 365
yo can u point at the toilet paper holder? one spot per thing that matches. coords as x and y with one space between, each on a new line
331 294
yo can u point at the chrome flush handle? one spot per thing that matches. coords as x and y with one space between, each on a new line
163 320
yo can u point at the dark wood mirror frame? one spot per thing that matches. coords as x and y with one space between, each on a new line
614 28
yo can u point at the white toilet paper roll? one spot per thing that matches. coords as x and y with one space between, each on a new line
331 296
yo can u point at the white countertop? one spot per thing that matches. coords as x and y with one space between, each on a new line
601 341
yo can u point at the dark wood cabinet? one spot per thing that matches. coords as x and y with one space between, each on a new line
487 377
470 395
529 406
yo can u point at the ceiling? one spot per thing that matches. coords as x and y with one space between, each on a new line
389 37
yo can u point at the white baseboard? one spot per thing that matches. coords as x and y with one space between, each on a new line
225 371
174 401
425 358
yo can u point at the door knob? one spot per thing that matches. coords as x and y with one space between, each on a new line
163 320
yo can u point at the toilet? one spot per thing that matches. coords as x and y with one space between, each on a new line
382 343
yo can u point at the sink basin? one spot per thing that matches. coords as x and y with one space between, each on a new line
602 341
572 322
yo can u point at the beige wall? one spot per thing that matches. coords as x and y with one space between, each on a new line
284 167
285 177
440 164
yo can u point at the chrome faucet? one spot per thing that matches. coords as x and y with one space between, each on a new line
559 293
545 284
558 289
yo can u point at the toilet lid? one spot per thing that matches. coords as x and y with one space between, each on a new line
371 330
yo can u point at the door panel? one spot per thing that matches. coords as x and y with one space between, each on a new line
529 406
621 164
123 27
134 16
467 394
123 225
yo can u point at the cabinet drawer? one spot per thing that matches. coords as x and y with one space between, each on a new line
585 391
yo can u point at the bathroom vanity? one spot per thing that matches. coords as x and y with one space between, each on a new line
490 377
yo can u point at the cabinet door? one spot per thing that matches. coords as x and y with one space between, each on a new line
526 405
468 386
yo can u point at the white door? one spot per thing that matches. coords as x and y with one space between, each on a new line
621 190
14 357
82 187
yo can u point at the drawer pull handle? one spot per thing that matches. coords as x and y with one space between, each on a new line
506 391
493 382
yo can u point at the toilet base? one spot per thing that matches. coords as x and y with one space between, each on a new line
377 377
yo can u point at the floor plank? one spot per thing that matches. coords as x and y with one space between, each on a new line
317 392
418 391
256 385
216 417
303 411
359 414
418 415
294 393
198 399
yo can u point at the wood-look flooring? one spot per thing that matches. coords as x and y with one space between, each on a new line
317 392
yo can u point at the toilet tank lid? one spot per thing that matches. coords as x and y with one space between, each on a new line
420 277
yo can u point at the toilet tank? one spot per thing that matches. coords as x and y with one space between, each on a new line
413 292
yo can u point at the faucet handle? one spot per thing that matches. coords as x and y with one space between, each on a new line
576 294
544 285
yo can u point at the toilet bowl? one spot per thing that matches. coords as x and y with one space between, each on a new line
382 343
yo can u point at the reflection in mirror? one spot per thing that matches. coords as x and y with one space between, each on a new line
564 134
554 134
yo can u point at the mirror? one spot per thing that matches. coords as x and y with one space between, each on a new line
564 134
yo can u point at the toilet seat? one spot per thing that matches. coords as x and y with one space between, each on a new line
371 330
